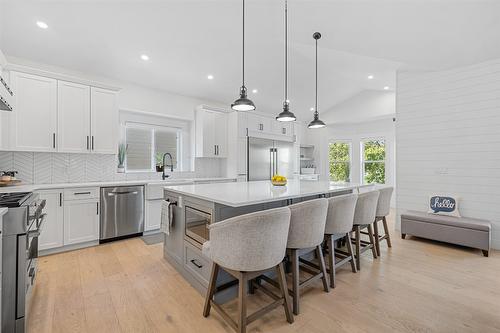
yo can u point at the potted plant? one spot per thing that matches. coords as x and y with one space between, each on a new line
122 151
159 162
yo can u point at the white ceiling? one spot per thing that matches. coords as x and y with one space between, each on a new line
187 40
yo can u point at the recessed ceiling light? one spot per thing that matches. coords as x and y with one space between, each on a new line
42 25
370 77
255 91
144 57
386 88
210 77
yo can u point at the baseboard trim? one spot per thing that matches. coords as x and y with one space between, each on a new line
67 248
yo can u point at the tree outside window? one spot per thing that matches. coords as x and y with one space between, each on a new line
374 161
340 161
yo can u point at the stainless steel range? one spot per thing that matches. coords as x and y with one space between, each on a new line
21 227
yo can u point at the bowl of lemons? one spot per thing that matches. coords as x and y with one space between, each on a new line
278 180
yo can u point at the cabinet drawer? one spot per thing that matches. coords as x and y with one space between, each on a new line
81 193
196 263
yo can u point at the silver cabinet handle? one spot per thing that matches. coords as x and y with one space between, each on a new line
54 140
92 142
88 144
81 193
111 194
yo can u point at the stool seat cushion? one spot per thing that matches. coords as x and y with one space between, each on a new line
461 222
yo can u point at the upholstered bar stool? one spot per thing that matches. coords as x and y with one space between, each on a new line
246 246
364 217
339 224
306 233
383 209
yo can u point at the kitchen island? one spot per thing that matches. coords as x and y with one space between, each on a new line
194 207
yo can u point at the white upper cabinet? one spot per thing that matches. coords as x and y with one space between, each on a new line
282 128
33 123
259 123
211 133
73 117
104 121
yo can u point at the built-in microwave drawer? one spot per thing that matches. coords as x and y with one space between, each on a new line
81 193
196 263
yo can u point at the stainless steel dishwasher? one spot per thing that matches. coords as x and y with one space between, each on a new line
122 212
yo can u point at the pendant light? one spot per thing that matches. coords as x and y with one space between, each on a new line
286 114
316 123
243 103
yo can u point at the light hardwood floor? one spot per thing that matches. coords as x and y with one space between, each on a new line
126 286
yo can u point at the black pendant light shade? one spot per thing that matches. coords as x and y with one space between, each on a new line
316 122
243 103
286 114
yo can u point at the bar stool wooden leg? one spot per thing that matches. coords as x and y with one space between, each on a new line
386 229
351 253
242 303
358 246
331 259
211 289
372 241
280 273
377 237
295 280
322 267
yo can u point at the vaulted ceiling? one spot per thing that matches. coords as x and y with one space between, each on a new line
186 40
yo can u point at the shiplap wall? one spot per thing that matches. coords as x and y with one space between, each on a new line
448 140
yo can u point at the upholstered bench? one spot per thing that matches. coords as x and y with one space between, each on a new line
464 231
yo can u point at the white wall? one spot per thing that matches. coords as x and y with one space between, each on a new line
366 106
448 135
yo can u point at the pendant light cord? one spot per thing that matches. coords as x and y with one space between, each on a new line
286 51
316 109
243 67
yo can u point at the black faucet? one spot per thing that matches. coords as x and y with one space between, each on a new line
164 176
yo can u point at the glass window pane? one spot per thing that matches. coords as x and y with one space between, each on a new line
374 172
374 150
340 161
166 142
138 148
339 151
340 171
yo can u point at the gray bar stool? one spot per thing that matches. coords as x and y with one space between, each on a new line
383 209
246 246
306 233
364 217
339 224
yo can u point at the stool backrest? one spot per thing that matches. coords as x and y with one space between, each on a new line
340 215
250 242
366 207
384 201
307 224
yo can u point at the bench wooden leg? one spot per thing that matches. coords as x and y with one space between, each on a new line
331 259
322 267
357 232
351 253
403 236
294 257
372 241
377 237
211 289
485 253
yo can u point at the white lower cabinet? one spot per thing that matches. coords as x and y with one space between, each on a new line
52 229
81 221
153 214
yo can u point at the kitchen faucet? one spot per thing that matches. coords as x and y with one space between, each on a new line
164 176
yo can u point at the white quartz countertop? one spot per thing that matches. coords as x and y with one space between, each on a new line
172 181
255 192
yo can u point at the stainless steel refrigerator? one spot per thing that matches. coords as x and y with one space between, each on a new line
269 157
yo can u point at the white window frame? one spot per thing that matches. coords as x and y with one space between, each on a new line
362 157
152 128
349 143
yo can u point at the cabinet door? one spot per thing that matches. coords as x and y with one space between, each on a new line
34 118
220 132
258 123
52 229
153 215
73 117
104 121
208 134
81 221
282 128
242 157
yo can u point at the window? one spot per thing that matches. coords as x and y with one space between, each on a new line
340 161
373 164
146 145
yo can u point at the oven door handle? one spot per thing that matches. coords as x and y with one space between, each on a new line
36 233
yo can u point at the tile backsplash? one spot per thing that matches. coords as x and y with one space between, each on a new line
53 168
